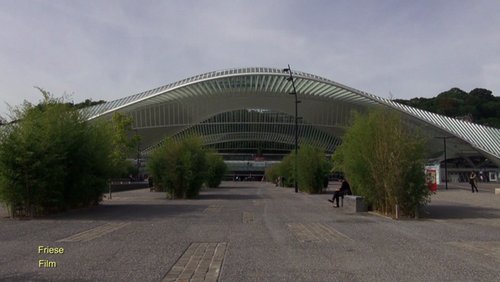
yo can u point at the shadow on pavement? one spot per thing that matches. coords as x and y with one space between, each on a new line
227 197
227 187
450 211
133 212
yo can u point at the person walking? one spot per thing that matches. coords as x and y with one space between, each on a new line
472 181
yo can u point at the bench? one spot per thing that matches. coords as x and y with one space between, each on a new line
353 203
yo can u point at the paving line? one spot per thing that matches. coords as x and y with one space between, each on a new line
213 209
302 233
248 217
334 232
316 232
313 236
94 233
216 264
204 264
309 234
200 262
298 232
321 232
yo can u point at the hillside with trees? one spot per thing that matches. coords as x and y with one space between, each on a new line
479 105
86 103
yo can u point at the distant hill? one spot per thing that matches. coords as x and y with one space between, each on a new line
77 106
479 105
86 103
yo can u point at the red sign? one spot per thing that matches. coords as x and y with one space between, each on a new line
431 179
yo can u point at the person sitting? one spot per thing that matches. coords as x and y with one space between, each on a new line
345 189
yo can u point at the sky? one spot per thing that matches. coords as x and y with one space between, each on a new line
107 49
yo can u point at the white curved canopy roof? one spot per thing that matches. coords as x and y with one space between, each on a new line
326 105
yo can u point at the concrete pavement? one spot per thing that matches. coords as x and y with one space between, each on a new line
253 231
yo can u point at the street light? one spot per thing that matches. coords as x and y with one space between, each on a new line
294 92
445 162
138 155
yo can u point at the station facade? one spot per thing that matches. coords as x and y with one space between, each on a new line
247 115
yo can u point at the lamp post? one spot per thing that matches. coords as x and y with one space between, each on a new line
294 92
138 155
445 162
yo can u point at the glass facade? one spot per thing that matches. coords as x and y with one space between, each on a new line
254 105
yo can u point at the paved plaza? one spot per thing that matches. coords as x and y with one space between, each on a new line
254 231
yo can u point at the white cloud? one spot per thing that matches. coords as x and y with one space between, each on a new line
110 49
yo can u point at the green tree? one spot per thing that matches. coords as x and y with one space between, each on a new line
51 159
283 170
287 170
384 162
179 167
272 173
157 167
123 142
215 170
312 169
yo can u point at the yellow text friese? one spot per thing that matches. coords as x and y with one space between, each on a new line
50 250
